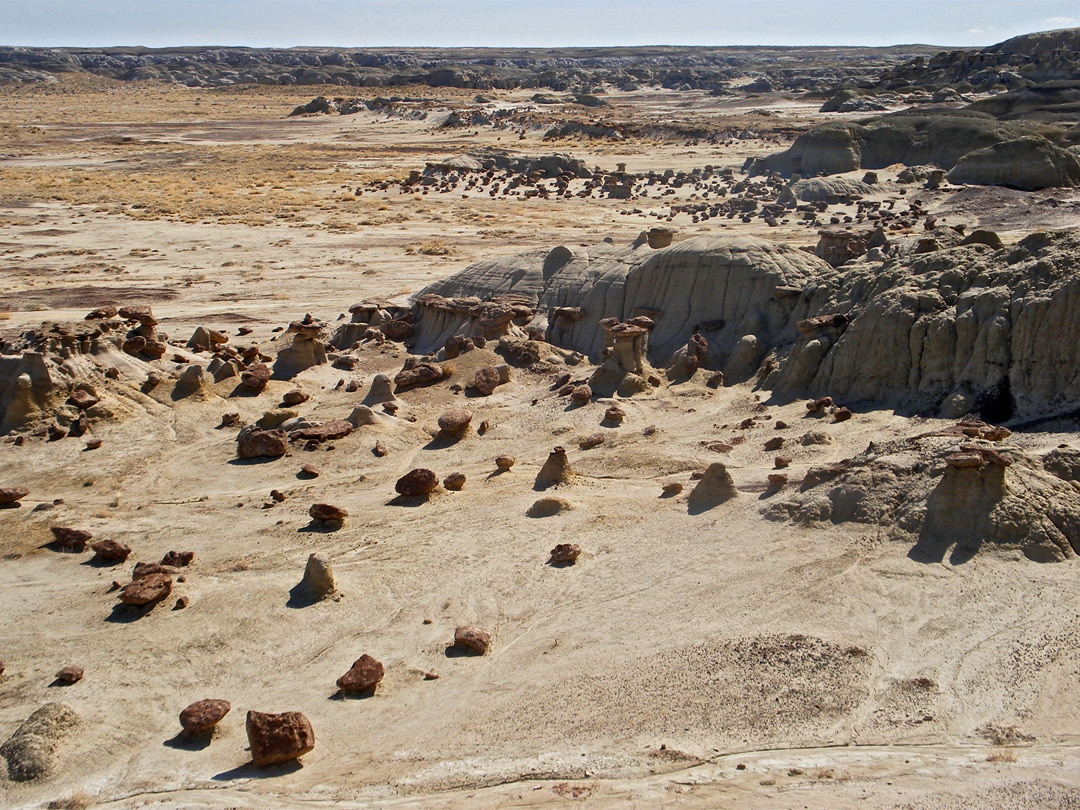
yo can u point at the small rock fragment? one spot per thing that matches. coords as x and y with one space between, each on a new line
147 590
310 470
70 674
565 554
581 394
178 559
672 489
71 539
380 449
774 443
327 512
111 550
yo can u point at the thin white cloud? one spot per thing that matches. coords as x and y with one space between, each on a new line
1060 22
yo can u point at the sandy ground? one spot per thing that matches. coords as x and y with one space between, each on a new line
687 659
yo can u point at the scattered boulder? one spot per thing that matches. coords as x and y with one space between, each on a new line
672 489
202 716
504 463
294 398
82 399
816 437
486 380
327 431
581 394
310 471
614 414
277 738
363 675
70 539
416 483
147 590
111 550
327 513
592 440
10 495
70 674
774 443
453 424
318 581
257 443
565 554
178 559
417 372
255 377
454 482
472 638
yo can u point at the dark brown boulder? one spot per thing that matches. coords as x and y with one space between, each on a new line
277 738
565 554
202 715
328 431
70 674
326 511
83 399
614 414
13 494
310 470
472 638
364 674
416 482
147 590
774 443
581 394
262 444
74 539
486 381
111 550
455 481
419 374
142 314
101 314
255 377
178 559
293 398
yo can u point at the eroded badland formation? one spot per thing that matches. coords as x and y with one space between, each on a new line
625 428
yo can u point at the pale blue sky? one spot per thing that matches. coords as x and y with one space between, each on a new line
525 23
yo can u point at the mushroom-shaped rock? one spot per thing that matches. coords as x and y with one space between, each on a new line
455 423
111 550
504 463
70 674
454 482
614 414
147 590
363 675
565 554
556 470
472 638
203 715
72 539
318 576
9 495
255 377
714 488
659 237
262 444
416 482
277 738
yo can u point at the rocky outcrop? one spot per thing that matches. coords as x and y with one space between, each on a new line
30 751
946 495
305 350
1029 164
721 287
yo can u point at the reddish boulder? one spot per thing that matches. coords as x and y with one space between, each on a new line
147 590
565 554
325 511
74 539
328 431
262 444
774 443
581 394
178 559
255 377
101 314
277 738
419 374
70 674
486 380
472 638
202 715
13 494
83 399
416 482
111 550
364 674
455 481
292 398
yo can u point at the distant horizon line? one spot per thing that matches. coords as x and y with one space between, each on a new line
488 47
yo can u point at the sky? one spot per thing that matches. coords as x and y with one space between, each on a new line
525 23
